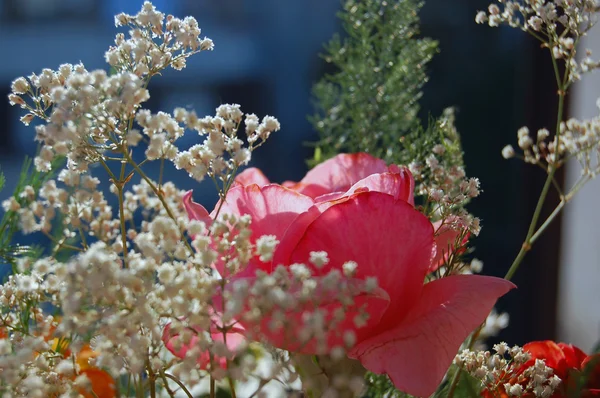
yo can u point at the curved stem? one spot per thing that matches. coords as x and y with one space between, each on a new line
180 384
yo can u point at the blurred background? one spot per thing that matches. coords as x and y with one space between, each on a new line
266 58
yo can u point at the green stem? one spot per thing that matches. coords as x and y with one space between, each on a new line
108 170
231 387
180 384
160 197
526 246
119 186
166 385
558 208
151 379
212 387
456 377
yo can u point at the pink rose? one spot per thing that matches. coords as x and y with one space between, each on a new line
356 208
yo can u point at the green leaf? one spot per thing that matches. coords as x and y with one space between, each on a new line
2 181
466 387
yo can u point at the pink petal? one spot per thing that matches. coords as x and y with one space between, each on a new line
272 207
339 174
388 238
419 350
446 240
252 175
399 184
195 211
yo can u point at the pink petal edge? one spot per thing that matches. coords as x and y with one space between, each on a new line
252 175
417 352
195 211
339 173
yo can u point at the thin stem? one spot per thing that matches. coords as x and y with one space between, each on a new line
180 384
119 186
526 246
558 208
212 387
456 377
140 390
160 173
166 385
108 170
231 387
151 379
161 198
60 244
82 236
226 187
454 383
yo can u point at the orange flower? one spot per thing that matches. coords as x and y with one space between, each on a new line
567 361
102 384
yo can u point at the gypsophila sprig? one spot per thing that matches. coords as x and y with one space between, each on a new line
222 153
558 24
503 371
87 114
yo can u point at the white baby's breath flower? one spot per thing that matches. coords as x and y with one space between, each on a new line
265 247
319 259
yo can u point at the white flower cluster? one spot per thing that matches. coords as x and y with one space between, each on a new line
126 301
578 139
222 152
87 114
559 24
504 372
153 44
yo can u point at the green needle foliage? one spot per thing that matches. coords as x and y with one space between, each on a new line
371 101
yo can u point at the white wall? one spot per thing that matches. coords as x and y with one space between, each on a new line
579 291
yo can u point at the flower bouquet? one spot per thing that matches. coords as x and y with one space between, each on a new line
357 280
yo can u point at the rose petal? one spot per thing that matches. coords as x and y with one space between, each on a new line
338 174
195 211
447 233
418 351
399 184
573 355
551 353
388 239
273 208
250 176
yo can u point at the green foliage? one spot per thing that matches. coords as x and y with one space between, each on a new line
371 101
467 386
9 225
381 386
